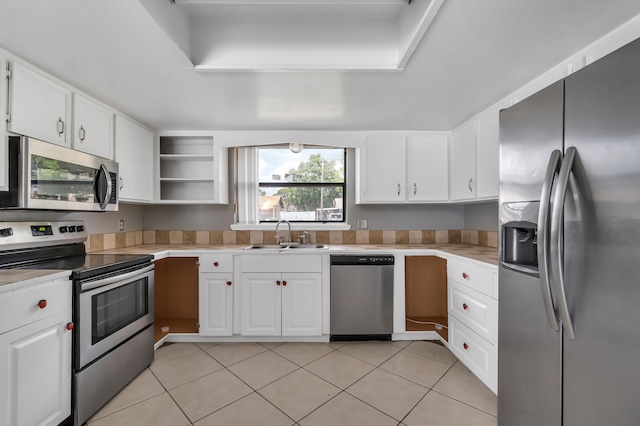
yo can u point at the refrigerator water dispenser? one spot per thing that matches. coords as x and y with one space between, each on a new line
519 236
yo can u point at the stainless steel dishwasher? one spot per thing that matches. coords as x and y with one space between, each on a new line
361 297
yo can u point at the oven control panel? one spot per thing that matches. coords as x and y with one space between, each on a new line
15 235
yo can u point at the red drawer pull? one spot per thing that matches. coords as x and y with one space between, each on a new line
465 306
465 346
284 283
216 264
228 282
464 275
70 326
42 304
277 282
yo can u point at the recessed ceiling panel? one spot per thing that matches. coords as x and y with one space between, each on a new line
295 35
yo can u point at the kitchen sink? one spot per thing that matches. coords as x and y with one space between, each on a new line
286 246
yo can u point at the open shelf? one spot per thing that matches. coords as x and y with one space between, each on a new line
191 170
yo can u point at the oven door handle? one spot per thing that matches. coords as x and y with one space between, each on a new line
106 281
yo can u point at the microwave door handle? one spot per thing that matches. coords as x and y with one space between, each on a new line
104 203
543 238
555 241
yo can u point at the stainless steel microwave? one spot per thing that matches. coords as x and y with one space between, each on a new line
45 176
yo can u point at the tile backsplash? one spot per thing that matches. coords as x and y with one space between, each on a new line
98 242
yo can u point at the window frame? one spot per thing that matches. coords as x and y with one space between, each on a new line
286 184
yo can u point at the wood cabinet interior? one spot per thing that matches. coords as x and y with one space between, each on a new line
176 296
426 294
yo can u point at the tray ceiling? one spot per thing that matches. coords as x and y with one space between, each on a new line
305 35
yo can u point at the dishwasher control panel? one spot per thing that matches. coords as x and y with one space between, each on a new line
351 259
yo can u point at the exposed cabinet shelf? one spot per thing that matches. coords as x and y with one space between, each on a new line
192 170
426 294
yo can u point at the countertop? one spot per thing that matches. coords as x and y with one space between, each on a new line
14 276
479 253
482 254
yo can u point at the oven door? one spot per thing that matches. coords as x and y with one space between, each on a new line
112 310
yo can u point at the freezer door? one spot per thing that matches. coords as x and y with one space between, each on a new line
602 242
529 131
529 351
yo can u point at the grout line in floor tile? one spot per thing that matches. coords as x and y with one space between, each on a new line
465 403
275 406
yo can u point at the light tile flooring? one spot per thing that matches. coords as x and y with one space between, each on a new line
307 384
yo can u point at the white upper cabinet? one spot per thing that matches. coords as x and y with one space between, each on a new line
428 167
463 162
475 159
403 168
4 172
92 128
383 170
488 155
38 107
134 153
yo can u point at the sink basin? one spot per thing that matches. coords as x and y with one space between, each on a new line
308 246
264 247
286 246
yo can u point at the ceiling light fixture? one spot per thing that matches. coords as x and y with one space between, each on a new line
295 147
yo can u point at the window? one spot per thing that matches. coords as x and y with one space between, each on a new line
307 186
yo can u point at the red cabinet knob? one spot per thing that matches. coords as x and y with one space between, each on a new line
284 283
70 326
277 282
228 282
465 276
42 304
465 346
465 306
215 264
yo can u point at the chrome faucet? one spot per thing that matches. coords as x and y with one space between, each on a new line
278 237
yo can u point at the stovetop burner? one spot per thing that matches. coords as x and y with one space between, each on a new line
51 245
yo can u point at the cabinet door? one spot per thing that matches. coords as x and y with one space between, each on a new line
301 304
134 153
382 168
35 373
4 172
463 163
488 155
428 160
38 107
92 128
216 304
261 304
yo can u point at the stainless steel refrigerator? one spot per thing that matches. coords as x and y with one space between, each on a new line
569 318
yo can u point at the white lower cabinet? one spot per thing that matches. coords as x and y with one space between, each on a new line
281 304
281 295
473 318
216 304
35 357
215 298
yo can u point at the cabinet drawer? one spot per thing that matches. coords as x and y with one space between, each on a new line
474 352
476 310
20 306
281 263
216 263
471 275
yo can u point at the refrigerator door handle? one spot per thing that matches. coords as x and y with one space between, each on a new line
543 238
555 240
